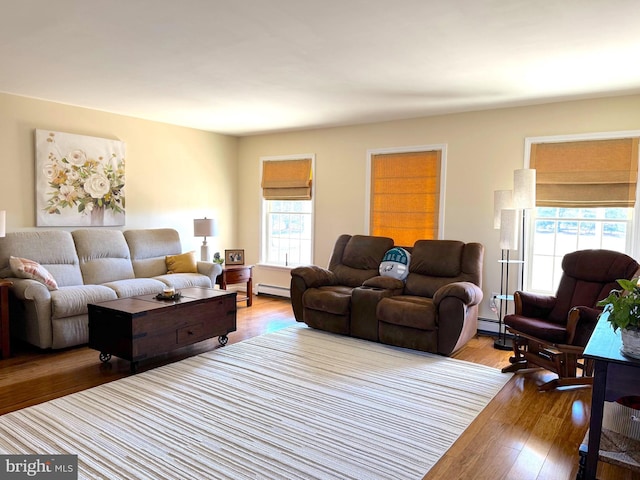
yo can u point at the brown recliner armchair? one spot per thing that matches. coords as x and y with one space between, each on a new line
552 331
437 310
321 297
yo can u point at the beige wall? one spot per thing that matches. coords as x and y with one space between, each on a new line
483 150
173 174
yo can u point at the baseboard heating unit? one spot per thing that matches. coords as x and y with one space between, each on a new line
274 290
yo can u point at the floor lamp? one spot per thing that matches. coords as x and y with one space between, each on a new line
502 200
508 241
510 209
524 198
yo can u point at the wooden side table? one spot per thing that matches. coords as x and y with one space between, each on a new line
232 274
5 346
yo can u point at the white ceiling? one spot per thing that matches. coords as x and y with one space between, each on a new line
251 66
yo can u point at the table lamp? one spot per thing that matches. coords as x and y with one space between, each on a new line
3 223
204 227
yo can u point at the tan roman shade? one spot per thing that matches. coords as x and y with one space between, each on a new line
592 173
286 179
405 196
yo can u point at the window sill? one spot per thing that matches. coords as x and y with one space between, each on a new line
271 266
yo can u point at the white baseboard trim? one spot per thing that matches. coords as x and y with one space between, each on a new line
487 325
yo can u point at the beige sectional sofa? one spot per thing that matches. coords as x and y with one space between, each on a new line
89 266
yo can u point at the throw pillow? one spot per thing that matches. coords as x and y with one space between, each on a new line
395 263
183 263
25 268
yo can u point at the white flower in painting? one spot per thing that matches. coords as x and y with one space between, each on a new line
97 185
73 176
77 157
68 193
49 171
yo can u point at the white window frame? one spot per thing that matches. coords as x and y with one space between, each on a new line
442 147
635 222
263 209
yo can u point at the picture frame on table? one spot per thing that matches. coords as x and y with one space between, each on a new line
234 257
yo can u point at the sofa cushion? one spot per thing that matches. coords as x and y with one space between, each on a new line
356 258
437 258
365 252
182 263
538 328
71 301
25 268
184 280
332 299
352 277
408 311
53 249
132 287
435 263
103 254
149 249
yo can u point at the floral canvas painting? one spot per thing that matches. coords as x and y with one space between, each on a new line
79 180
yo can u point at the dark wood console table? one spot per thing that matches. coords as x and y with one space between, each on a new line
615 376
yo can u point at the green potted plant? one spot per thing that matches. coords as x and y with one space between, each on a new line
623 310
217 258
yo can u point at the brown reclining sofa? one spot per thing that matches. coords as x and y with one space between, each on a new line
435 309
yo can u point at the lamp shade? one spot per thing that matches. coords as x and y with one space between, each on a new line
524 188
509 229
3 223
502 199
204 227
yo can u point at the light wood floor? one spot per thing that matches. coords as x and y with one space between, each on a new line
522 434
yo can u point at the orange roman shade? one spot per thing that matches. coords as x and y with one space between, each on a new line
405 196
286 179
592 173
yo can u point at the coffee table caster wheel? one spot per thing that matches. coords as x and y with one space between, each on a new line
105 357
223 339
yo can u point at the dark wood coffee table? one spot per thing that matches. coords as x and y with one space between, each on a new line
137 328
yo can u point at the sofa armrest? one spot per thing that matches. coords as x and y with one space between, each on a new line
31 315
210 269
469 293
364 305
581 322
457 305
27 289
302 278
533 305
314 276
386 283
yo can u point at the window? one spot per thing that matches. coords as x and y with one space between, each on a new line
405 191
558 231
585 198
287 210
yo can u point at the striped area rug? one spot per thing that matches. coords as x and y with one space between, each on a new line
293 404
